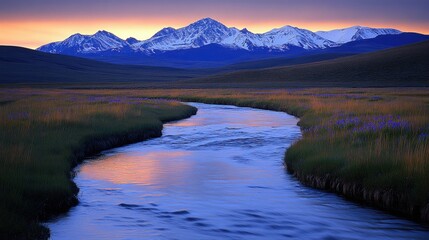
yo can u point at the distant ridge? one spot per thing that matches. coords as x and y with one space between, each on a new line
378 43
209 31
80 44
21 65
401 66
208 43
354 33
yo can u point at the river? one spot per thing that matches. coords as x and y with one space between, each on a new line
216 175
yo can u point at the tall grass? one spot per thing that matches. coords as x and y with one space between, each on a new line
39 132
375 138
378 138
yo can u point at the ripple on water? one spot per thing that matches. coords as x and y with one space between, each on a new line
217 175
180 212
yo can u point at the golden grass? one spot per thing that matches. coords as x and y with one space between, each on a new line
394 155
336 123
40 129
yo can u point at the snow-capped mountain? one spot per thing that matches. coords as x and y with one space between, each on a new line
294 36
208 31
355 33
99 42
203 32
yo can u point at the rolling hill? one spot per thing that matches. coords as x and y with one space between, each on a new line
401 66
378 43
352 48
21 65
282 61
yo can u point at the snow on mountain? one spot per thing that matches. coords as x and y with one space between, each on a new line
242 39
208 31
355 33
164 32
203 32
78 43
294 36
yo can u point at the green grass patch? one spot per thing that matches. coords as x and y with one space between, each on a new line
40 133
378 138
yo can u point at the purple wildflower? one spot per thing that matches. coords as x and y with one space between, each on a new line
379 123
347 122
423 136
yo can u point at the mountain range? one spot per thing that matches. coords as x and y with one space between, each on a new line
404 66
207 43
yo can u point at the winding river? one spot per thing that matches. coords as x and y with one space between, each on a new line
216 175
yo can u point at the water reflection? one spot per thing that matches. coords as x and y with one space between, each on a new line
141 169
159 169
217 175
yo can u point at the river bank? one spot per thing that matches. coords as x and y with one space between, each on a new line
44 134
387 200
374 140
216 175
372 144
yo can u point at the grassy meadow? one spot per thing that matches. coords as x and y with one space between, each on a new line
375 138
44 133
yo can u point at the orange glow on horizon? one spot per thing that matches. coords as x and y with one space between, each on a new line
34 33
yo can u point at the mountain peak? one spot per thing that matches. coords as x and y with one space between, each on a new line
200 33
164 32
207 22
208 31
102 32
354 33
245 31
131 40
78 43
76 35
284 28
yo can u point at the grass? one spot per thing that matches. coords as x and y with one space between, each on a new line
43 133
376 138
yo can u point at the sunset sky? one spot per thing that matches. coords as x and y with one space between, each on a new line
34 23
